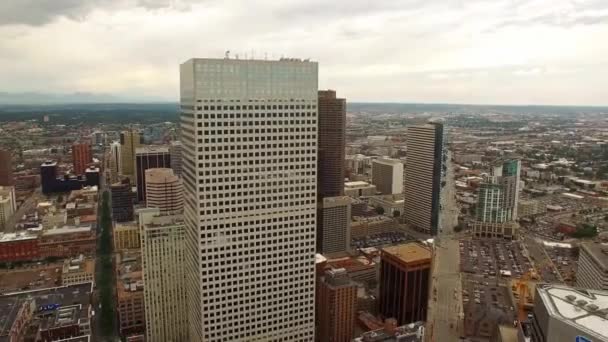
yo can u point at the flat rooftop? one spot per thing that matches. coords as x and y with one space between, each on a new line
409 252
585 310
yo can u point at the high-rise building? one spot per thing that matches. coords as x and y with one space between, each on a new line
122 202
149 157
175 150
592 270
8 205
424 176
387 176
164 191
126 236
115 159
6 168
334 217
81 157
497 202
332 141
129 141
249 135
337 307
405 273
563 314
162 245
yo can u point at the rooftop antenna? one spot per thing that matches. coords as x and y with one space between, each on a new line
227 54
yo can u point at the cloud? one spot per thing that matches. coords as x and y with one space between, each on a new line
416 50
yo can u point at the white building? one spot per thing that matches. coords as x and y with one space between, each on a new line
387 176
164 275
592 272
249 135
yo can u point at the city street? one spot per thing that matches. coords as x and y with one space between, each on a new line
28 205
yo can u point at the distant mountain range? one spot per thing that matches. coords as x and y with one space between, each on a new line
36 98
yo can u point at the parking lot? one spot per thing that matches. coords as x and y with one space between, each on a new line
381 239
29 278
564 260
493 258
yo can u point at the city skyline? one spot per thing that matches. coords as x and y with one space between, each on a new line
503 52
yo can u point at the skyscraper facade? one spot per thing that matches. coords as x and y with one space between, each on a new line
175 150
115 160
424 173
337 307
149 157
249 135
334 218
130 140
332 140
405 273
6 168
164 191
163 255
122 202
81 157
498 196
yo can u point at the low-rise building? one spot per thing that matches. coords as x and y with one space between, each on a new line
126 236
526 208
67 242
130 293
501 230
18 247
359 189
366 226
413 332
391 204
78 270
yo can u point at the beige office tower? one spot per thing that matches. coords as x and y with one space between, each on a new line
115 161
424 173
387 176
129 141
249 136
164 191
163 254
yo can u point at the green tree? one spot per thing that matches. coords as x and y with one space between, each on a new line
379 210
396 213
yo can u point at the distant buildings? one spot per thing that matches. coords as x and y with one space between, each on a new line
335 219
129 141
6 168
405 275
81 157
337 306
564 314
250 173
164 191
424 172
51 182
529 208
331 144
149 157
175 150
387 176
592 271
163 251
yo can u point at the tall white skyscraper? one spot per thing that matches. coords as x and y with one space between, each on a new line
249 136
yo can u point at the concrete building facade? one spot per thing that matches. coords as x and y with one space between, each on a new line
175 150
163 254
164 191
130 140
334 217
337 307
387 176
592 271
249 135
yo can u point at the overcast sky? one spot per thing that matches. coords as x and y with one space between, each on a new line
450 51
